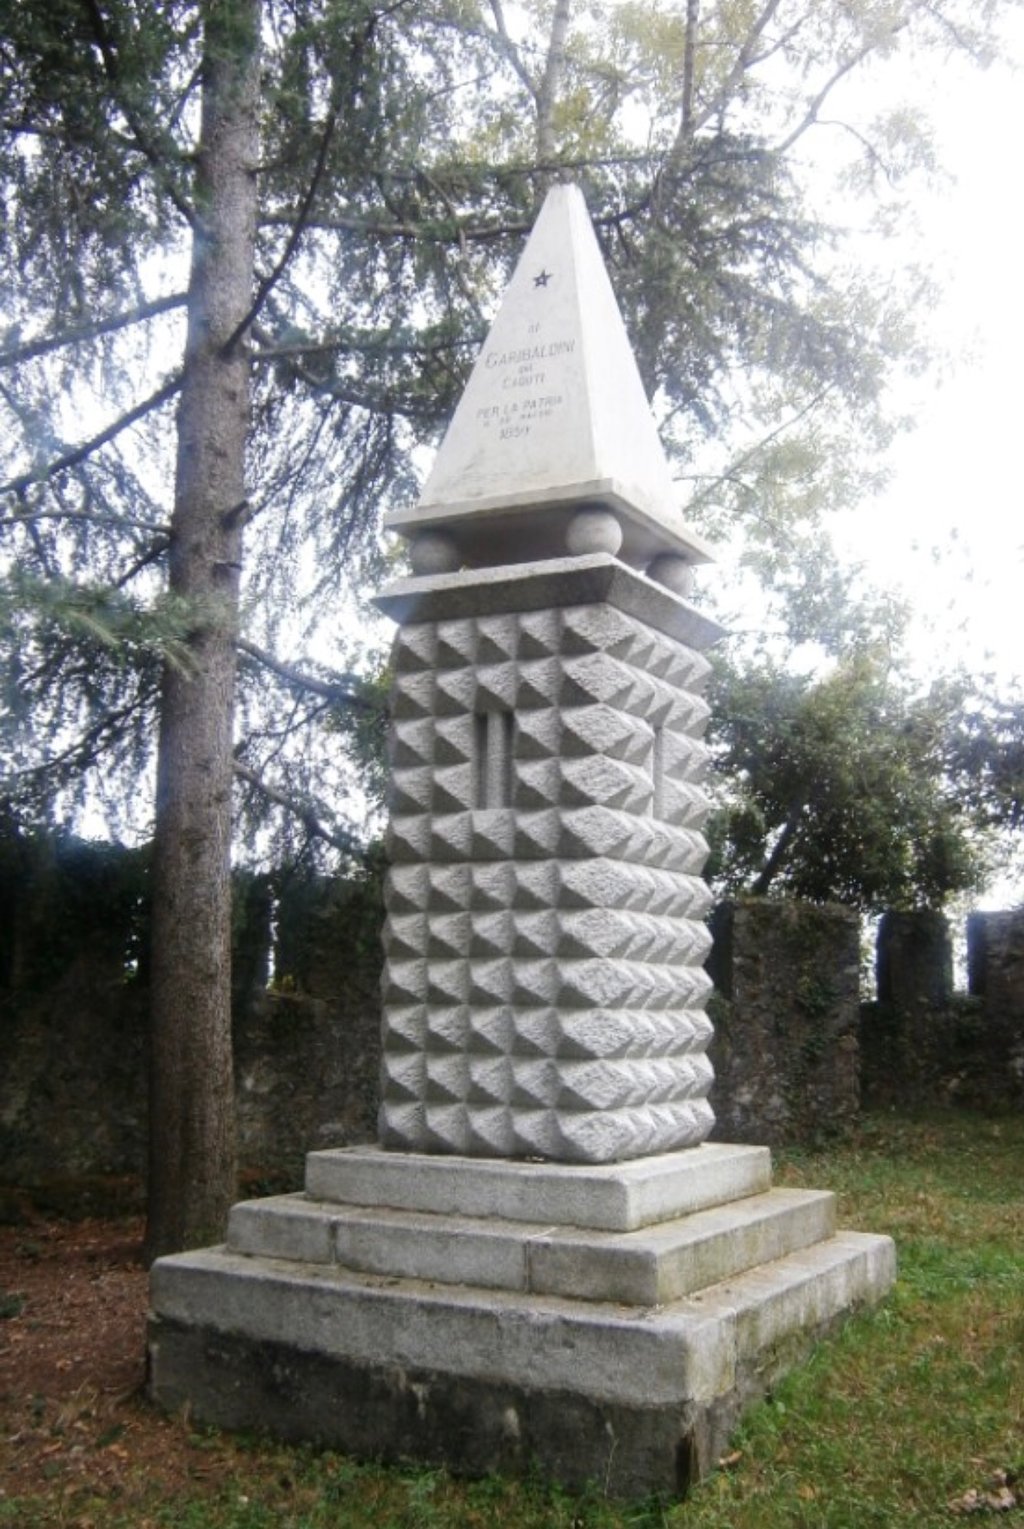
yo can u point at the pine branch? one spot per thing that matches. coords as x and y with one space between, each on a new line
301 808
450 231
301 221
86 749
298 228
347 346
81 453
149 150
29 350
298 679
25 516
334 388
377 228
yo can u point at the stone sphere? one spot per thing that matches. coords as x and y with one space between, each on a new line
673 572
593 530
434 552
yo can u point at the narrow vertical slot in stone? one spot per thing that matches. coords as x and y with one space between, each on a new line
480 759
494 759
658 773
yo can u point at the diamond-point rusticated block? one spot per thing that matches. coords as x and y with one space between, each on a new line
545 933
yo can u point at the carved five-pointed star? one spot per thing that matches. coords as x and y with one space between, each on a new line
542 278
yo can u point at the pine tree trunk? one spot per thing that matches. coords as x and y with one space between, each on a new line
192 1149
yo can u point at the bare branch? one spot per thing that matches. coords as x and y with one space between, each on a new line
153 554
509 48
732 474
770 869
960 40
745 60
689 56
811 115
873 155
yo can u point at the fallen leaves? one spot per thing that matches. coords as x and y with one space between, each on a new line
999 1496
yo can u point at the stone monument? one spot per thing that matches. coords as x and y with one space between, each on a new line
545 1264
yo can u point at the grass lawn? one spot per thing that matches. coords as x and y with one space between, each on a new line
911 1415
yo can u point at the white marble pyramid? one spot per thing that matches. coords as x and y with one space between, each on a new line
554 416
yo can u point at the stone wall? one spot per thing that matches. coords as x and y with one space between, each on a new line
73 1006
921 1043
786 1013
307 1054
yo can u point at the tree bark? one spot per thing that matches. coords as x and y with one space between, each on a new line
689 59
550 83
192 1147
773 864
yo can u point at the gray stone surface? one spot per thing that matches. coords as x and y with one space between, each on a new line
616 1197
914 959
527 1013
472 1426
555 583
546 715
786 1019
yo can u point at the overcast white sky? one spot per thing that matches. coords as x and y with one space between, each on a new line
957 483
950 528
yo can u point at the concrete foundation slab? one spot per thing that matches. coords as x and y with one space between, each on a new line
637 1399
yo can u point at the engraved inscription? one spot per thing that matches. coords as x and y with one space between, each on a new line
521 374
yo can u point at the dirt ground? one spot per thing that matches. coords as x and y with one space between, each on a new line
74 1422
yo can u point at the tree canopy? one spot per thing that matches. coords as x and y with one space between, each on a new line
402 152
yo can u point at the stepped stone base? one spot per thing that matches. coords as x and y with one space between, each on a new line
599 1324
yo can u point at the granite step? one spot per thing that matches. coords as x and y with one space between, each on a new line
647 1267
615 1197
689 1348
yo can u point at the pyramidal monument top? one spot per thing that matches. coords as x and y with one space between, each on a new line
553 446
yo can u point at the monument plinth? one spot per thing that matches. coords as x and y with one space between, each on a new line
545 1264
